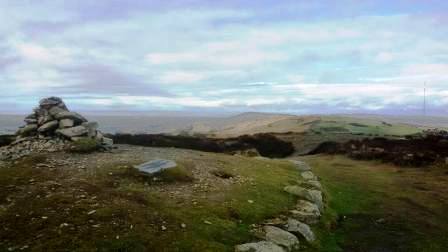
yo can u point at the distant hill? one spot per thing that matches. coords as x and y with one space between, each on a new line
252 123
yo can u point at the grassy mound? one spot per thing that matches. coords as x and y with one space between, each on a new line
71 202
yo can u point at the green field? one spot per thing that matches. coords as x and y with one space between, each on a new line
361 126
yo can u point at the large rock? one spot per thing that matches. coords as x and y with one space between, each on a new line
281 237
308 175
73 131
66 123
107 141
301 228
77 118
155 166
51 102
91 128
262 246
49 126
307 212
28 130
314 196
56 110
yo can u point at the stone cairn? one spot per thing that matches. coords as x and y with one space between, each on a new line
50 128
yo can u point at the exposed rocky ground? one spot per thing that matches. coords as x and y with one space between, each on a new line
50 128
420 149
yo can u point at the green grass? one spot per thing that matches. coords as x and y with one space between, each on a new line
375 206
364 126
85 145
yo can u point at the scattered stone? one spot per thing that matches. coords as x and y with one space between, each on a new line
183 225
163 228
262 246
250 201
208 222
281 237
296 226
155 166
308 175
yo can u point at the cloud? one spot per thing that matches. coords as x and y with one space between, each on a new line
104 79
306 56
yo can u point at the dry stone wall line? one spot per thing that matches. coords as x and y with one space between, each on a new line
51 127
307 212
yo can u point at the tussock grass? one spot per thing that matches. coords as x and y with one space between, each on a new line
372 205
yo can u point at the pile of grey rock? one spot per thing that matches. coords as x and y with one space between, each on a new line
284 235
51 127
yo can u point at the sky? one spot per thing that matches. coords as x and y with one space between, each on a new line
290 56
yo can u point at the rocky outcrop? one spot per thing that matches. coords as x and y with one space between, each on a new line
51 127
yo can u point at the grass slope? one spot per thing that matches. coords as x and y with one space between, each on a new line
97 202
379 207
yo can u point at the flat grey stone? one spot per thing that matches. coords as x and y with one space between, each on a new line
307 207
107 141
49 126
308 175
50 101
91 127
306 212
71 115
155 166
301 166
262 246
281 237
66 123
314 196
296 226
54 111
308 218
73 131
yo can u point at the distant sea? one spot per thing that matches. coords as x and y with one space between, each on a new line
118 124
